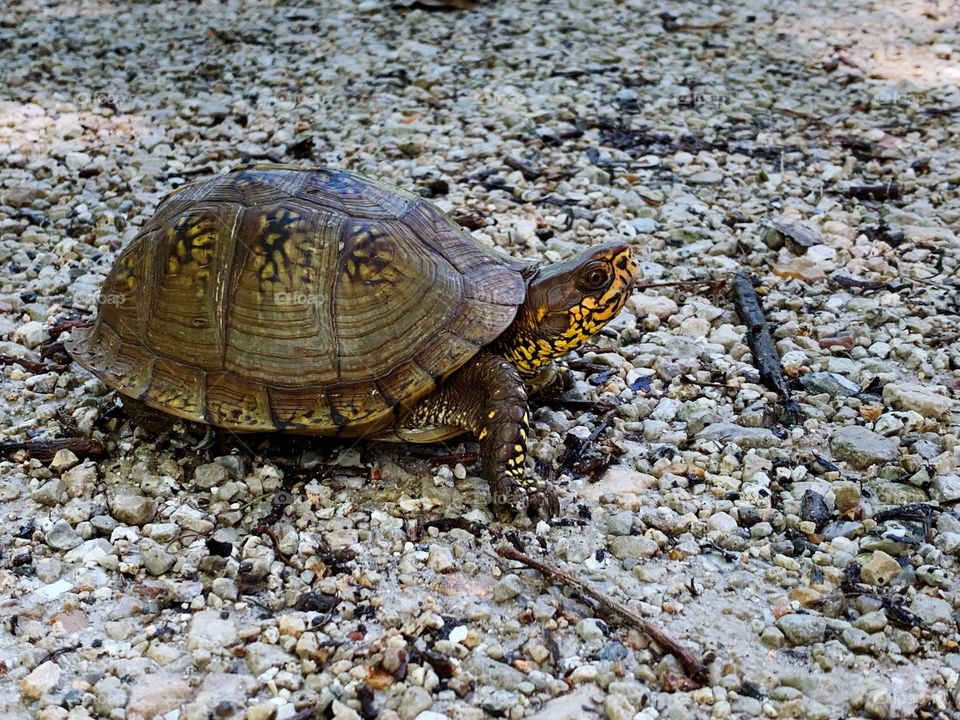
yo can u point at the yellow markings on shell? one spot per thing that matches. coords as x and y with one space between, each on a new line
518 448
491 415
483 434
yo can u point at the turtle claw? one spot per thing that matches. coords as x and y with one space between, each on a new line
534 498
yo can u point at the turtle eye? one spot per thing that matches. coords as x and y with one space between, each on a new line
594 277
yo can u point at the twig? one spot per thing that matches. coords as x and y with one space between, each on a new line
761 344
713 285
45 449
615 609
528 171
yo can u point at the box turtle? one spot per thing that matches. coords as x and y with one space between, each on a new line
275 298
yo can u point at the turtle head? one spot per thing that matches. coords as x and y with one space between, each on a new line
567 303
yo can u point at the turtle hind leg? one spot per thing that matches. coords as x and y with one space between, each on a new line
486 397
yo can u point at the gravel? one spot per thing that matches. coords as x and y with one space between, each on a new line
814 564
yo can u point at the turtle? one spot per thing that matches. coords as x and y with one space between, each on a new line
317 301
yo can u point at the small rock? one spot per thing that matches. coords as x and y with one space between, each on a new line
876 703
618 707
946 488
633 546
722 523
133 509
846 496
64 459
872 622
50 493
918 398
508 588
880 569
157 694
932 610
862 448
488 671
41 680
814 509
657 305
830 383
155 558
62 536
30 334
745 437
209 631
801 629
414 701
262 656
591 629
440 559
210 475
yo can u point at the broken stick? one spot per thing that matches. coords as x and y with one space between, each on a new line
617 610
765 354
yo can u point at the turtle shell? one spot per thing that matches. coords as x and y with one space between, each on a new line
310 301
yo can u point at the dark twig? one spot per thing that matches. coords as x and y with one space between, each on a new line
711 285
44 449
614 609
761 344
526 169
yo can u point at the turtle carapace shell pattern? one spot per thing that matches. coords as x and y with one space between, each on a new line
308 301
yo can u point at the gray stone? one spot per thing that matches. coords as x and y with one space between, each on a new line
633 546
932 610
830 383
862 448
41 680
210 475
591 629
108 694
880 569
157 694
488 671
620 523
133 509
946 488
508 588
745 437
208 631
413 702
61 536
924 400
876 703
155 558
262 656
50 493
801 629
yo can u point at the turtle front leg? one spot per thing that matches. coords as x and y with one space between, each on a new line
487 398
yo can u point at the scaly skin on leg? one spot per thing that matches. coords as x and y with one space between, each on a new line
487 398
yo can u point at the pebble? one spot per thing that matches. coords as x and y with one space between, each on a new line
830 383
157 694
745 437
61 536
862 448
507 588
133 509
802 629
41 680
933 611
880 569
924 400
